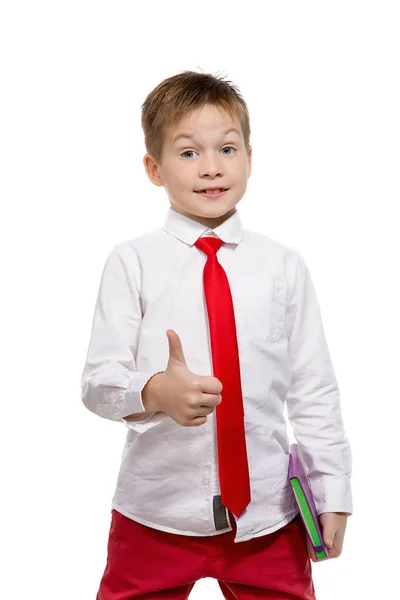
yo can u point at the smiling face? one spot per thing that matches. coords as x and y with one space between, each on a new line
213 156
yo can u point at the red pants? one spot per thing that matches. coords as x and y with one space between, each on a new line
151 564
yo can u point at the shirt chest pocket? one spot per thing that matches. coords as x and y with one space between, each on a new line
263 311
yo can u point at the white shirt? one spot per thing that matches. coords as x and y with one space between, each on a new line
168 477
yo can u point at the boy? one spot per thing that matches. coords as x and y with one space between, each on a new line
203 487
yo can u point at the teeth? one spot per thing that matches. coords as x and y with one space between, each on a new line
213 191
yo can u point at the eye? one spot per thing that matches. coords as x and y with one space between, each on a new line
232 148
224 148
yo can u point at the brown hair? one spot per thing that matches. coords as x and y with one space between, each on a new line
179 95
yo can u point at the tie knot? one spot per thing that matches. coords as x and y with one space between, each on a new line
209 245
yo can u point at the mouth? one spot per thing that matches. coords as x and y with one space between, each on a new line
212 192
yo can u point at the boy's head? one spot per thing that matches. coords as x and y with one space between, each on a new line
205 107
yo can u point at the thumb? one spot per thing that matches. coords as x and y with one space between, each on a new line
329 536
175 347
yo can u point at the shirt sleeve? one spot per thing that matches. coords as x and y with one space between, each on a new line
313 400
111 386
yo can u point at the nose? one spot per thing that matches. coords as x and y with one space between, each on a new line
210 165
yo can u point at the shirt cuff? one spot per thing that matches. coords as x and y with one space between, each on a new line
133 401
332 494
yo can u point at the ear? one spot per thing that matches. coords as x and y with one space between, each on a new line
152 170
249 158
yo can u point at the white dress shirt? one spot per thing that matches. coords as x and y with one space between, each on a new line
168 478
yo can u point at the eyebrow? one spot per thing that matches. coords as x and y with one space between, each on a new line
191 137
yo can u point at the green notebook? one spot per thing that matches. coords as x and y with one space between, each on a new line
305 502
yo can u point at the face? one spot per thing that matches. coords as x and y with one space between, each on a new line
208 158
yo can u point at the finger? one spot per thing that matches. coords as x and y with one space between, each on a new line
209 384
203 411
329 531
337 546
175 347
196 421
333 552
210 400
205 403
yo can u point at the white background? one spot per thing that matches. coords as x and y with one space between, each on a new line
321 80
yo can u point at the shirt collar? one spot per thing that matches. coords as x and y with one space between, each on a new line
187 230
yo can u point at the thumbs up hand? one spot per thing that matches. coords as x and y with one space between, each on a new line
185 397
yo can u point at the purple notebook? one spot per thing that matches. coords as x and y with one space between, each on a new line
305 502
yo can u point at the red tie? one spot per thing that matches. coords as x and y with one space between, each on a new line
232 454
